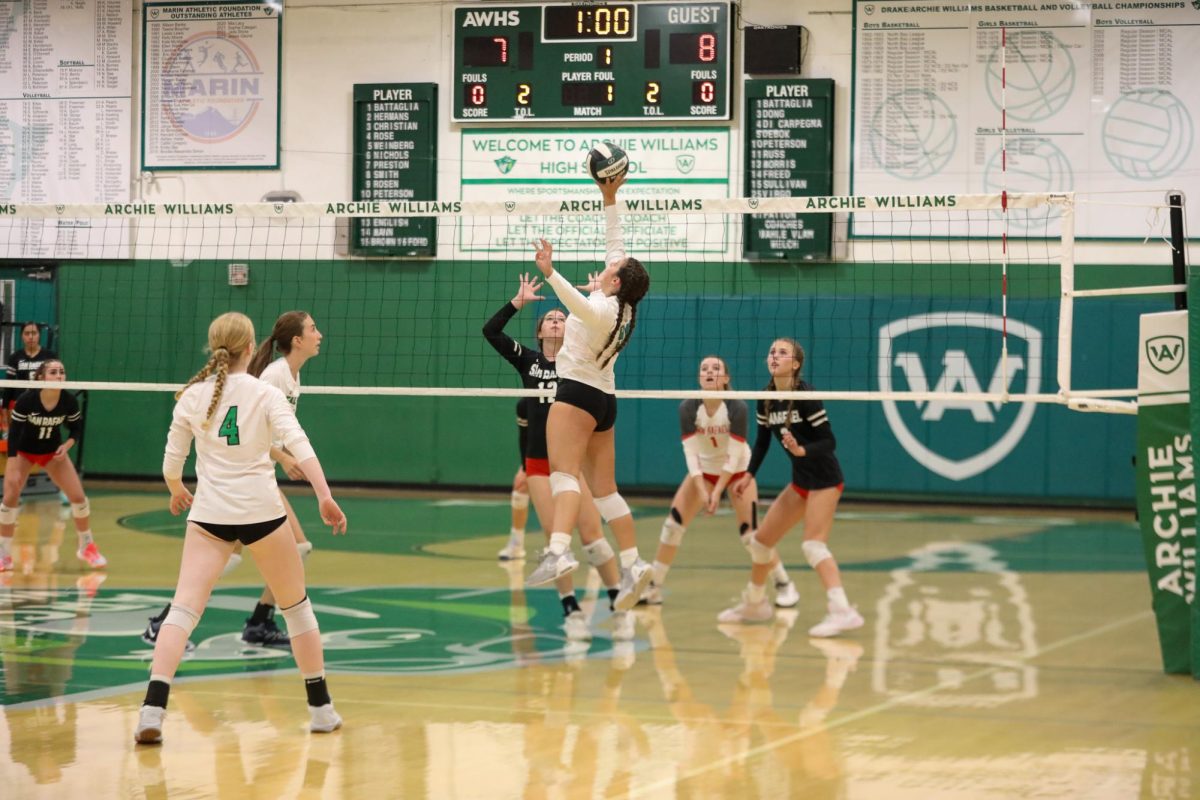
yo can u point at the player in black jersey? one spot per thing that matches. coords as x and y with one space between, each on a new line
34 438
514 549
537 371
23 363
802 427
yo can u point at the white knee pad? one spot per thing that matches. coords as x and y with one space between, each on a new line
300 618
563 482
182 617
815 551
612 506
8 516
599 552
672 533
304 548
80 510
520 500
759 552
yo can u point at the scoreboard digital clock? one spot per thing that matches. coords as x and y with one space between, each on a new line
611 61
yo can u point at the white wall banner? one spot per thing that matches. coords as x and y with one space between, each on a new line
669 170
210 85
1099 97
65 116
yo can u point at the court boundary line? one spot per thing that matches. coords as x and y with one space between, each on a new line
870 711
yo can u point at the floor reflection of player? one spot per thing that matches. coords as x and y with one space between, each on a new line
37 664
705 737
800 758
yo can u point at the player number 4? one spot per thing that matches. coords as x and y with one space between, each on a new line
229 427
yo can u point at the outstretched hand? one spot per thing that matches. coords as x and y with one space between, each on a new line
544 258
593 283
528 291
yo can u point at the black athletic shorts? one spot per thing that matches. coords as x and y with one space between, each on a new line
246 534
602 407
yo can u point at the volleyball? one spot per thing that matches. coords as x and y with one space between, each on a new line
1147 134
606 161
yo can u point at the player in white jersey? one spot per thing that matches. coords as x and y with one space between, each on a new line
579 429
715 450
295 335
233 418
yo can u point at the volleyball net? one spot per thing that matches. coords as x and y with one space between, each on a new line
958 298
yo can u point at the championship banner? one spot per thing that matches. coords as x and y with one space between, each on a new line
1166 483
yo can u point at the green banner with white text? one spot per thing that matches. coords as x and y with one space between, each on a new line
1166 482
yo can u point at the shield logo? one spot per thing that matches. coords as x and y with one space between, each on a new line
685 162
1165 353
509 205
60 208
966 347
154 13
753 202
505 164
278 208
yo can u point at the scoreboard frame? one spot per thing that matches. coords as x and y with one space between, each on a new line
607 61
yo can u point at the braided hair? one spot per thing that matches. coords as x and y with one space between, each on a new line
230 333
635 282
289 325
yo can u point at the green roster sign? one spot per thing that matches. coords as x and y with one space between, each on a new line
789 153
395 158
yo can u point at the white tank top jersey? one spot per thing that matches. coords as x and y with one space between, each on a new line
279 375
591 320
235 475
717 442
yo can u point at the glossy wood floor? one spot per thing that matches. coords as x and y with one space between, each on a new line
1005 655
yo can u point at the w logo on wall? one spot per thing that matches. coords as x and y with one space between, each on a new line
958 352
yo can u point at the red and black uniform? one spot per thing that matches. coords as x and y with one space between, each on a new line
34 429
20 367
809 423
537 372
522 427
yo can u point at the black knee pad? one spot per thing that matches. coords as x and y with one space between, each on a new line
675 515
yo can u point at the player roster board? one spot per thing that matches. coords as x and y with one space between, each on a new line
395 158
789 153
611 61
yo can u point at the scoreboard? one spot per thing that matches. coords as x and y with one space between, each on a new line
611 61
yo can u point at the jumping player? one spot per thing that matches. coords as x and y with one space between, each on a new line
579 429
538 371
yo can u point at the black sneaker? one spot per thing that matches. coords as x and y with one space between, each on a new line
265 634
150 635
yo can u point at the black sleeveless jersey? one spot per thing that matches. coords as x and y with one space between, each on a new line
20 367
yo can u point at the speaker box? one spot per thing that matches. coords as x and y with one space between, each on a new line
772 50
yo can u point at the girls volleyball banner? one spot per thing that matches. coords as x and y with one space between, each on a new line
1086 97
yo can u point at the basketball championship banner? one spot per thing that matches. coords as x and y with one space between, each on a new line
1166 482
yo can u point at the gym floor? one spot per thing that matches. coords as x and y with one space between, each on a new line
1006 654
